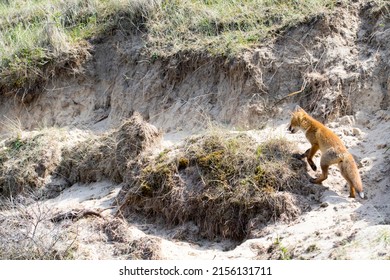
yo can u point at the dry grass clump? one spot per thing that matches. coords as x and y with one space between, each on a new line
144 248
90 160
134 137
108 156
30 158
226 184
26 160
116 230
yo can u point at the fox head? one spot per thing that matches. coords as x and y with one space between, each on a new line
296 119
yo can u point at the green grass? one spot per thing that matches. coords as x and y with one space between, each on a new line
224 26
40 38
284 253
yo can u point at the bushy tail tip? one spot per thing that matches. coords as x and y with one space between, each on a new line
361 194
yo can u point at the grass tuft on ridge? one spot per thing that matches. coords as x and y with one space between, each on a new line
40 38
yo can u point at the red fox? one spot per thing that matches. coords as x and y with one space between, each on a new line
332 149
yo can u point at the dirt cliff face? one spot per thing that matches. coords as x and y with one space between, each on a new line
332 65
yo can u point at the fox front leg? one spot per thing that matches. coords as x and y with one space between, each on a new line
309 155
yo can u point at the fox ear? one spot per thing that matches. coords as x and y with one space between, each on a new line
298 109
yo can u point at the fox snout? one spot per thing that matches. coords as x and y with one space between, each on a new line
292 129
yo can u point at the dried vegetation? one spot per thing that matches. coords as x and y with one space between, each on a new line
26 232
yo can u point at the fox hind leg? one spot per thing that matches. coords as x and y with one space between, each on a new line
323 176
327 159
351 190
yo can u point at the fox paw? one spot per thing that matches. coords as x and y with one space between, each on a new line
361 195
313 166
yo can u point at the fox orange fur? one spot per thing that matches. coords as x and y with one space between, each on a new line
332 149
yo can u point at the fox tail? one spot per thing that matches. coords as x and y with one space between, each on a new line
350 172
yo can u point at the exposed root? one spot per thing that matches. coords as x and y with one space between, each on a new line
75 215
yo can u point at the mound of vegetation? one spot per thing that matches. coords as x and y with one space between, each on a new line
228 185
27 160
